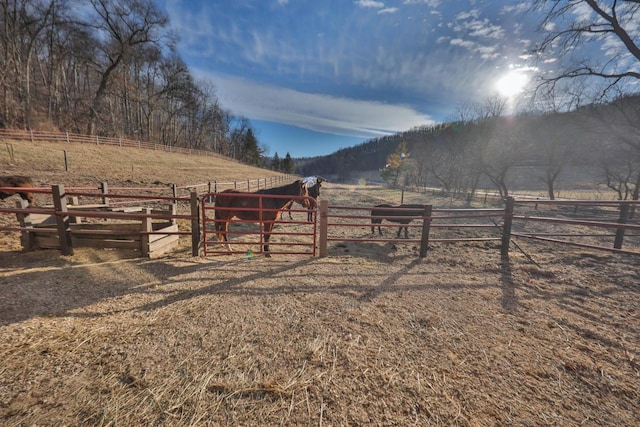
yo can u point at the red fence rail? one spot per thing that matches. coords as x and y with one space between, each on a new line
242 233
599 225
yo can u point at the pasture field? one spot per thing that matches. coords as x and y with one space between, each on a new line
371 335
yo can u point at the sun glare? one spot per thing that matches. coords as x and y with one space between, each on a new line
511 83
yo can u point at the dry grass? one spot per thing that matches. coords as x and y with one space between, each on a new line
372 335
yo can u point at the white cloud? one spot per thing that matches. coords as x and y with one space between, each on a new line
388 10
430 3
370 3
317 112
516 9
463 43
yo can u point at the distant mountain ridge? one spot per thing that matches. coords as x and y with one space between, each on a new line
588 141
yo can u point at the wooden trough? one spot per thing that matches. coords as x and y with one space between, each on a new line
139 229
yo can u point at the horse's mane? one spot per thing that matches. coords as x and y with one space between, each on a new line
292 189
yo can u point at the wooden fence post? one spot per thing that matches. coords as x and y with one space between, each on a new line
195 224
324 220
62 221
104 189
506 228
624 215
426 227
174 204
24 219
147 227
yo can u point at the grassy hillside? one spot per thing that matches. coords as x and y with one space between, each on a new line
91 164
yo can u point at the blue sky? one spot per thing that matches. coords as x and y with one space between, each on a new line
316 76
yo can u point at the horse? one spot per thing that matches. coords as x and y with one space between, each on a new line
313 186
391 213
262 206
17 181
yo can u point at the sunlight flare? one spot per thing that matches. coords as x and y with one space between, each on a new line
511 83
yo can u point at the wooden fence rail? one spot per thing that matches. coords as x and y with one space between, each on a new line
33 135
503 225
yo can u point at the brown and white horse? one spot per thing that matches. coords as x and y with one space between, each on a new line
263 206
313 186
16 181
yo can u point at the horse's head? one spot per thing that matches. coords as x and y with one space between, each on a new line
28 197
304 192
17 182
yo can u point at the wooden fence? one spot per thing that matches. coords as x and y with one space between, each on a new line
33 136
575 223
597 225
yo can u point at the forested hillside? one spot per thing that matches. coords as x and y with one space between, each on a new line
110 68
598 144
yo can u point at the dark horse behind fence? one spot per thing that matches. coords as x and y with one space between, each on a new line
313 186
262 206
395 214
17 181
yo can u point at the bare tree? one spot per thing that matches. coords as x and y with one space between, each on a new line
24 23
495 141
123 26
619 126
572 27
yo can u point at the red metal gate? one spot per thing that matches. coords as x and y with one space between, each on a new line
290 236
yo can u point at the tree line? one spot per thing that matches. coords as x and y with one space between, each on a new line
110 68
483 147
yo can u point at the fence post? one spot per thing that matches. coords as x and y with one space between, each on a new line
67 134
104 189
426 227
147 227
506 228
62 221
174 204
624 215
322 242
195 224
24 219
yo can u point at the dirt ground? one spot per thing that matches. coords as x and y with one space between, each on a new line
371 335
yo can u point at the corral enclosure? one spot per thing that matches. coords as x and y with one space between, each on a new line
372 335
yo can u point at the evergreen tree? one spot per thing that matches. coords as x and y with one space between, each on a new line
276 163
251 152
287 164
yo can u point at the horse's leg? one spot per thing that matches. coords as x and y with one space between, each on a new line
268 226
222 228
288 207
